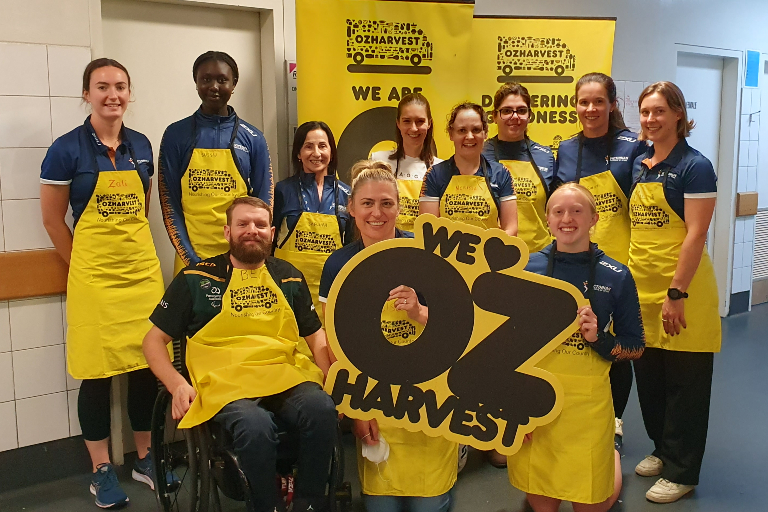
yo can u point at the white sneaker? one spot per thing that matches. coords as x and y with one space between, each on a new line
619 427
664 491
463 452
649 466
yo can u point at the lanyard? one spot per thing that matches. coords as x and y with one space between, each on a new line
302 201
592 269
484 166
536 169
581 147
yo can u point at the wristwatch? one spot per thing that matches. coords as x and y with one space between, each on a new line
675 294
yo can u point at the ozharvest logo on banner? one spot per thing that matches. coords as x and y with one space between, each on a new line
534 59
381 46
374 53
547 56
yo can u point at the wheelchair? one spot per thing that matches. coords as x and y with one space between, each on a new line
192 466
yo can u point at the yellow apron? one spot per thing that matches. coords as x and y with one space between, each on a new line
418 465
248 350
210 183
612 230
531 195
657 236
397 326
572 458
409 191
114 279
313 239
468 199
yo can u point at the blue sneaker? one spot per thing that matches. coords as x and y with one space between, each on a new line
144 471
106 488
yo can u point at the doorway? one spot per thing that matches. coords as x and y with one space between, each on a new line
158 43
700 77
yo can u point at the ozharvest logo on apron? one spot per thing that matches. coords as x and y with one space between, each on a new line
468 199
314 237
255 300
114 279
531 192
648 215
207 182
113 207
210 183
612 230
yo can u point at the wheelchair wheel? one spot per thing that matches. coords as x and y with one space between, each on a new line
180 458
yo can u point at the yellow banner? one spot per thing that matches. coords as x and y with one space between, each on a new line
357 58
547 56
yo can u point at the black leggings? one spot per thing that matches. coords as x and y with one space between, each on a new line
93 404
621 385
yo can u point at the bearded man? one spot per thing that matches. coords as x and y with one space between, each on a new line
243 314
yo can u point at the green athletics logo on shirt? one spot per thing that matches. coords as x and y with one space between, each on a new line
642 215
252 297
525 189
465 204
118 204
210 179
608 204
314 242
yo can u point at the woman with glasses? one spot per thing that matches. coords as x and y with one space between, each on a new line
531 165
600 157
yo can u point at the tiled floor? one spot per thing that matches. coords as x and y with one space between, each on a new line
732 479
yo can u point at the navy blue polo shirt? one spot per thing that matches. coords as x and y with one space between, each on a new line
624 146
298 193
341 257
69 161
690 175
518 151
614 298
438 177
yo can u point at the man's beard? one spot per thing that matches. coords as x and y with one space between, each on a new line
250 254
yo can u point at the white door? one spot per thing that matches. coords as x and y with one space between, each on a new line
700 77
158 43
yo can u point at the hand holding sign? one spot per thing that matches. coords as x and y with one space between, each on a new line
470 375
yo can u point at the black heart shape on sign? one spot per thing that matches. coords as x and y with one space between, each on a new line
499 255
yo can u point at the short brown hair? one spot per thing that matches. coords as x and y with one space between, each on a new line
467 105
250 201
676 102
511 89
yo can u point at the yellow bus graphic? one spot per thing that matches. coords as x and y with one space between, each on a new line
393 41
397 329
534 54
253 297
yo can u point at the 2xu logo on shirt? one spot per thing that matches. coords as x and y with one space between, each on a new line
118 204
253 297
210 179
465 204
314 242
642 215
470 375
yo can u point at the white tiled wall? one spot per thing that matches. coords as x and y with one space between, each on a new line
38 400
743 248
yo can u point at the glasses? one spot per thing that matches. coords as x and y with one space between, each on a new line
506 112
